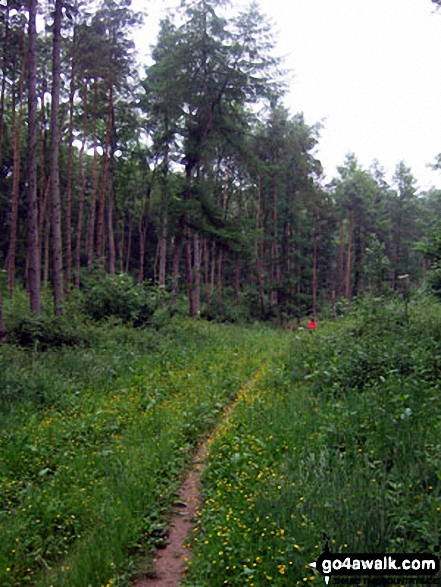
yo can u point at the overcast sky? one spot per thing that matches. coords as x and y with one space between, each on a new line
369 69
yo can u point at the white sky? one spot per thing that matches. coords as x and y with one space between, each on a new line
369 69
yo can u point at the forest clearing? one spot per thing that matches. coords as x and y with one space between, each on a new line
333 431
167 240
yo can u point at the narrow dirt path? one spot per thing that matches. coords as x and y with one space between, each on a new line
169 562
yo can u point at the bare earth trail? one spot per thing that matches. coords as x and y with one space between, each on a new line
169 562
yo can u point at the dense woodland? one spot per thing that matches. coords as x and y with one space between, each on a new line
187 173
137 194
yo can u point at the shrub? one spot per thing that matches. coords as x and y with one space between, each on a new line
43 332
121 298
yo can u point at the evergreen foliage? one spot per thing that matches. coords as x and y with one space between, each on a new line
192 175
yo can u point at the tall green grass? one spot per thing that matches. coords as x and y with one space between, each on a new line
94 440
340 437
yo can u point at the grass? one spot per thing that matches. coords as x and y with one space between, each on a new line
340 436
332 432
95 440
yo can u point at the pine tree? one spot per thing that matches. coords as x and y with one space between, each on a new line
32 219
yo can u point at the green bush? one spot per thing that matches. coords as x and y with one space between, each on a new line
121 298
43 332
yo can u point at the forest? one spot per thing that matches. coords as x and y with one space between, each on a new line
187 174
166 233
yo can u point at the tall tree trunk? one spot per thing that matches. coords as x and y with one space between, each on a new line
314 273
57 249
32 218
103 191
47 235
220 277
237 262
188 241
177 245
142 232
111 234
291 265
82 192
4 76
163 257
163 251
206 258
237 270
260 250
142 229
275 266
210 288
43 189
91 232
397 256
341 276
69 174
349 257
16 125
43 222
197 274
120 244
112 208
189 268
163 235
129 246
358 261
333 304
2 323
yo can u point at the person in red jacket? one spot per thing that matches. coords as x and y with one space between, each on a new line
312 325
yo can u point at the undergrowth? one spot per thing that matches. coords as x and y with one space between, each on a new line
94 440
341 438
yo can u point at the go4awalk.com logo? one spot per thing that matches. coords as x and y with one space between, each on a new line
372 564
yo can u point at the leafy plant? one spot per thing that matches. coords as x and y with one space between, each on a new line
119 297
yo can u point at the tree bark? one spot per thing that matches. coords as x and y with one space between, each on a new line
32 218
16 125
119 242
110 232
259 251
237 271
237 261
197 274
57 249
142 232
82 192
314 273
129 246
91 231
4 75
47 235
188 241
220 276
2 323
275 268
163 251
176 262
69 175
210 288
189 268
349 257
341 276
103 190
